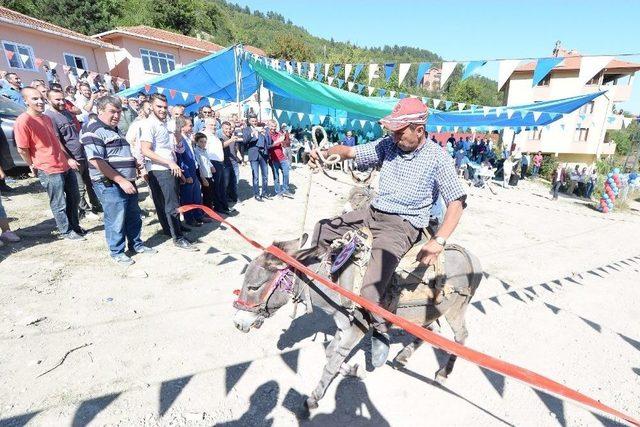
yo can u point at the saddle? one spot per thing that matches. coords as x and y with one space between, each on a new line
413 284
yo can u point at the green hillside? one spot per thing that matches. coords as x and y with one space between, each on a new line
226 24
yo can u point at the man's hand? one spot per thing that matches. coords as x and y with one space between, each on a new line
205 183
429 252
175 170
127 186
314 158
213 169
73 164
2 174
189 180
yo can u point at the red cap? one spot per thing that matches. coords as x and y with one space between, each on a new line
407 111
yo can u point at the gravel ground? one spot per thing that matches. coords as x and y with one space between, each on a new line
153 344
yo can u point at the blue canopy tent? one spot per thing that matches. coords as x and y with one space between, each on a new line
223 76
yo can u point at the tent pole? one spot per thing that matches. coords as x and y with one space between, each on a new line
238 75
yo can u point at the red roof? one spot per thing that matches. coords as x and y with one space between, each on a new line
572 63
12 17
168 37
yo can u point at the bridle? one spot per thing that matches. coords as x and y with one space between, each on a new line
284 280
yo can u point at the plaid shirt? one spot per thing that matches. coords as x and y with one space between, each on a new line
410 183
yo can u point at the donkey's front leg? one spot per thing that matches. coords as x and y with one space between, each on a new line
349 338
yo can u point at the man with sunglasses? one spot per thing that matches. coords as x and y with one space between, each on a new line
198 124
413 173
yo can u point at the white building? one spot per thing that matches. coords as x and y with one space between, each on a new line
579 137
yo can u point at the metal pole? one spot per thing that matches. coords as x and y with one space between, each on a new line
238 75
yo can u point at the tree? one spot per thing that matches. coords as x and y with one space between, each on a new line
289 47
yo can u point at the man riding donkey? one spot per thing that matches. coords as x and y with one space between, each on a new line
413 174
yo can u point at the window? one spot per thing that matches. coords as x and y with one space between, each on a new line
157 62
545 81
595 80
21 55
581 134
75 62
587 108
536 134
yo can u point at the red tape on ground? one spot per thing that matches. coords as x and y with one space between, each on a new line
535 380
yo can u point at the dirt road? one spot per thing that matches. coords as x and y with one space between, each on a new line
154 344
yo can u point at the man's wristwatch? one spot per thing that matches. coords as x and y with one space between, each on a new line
440 240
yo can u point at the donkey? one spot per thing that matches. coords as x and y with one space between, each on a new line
269 284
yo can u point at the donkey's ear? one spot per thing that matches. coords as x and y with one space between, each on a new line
303 239
289 246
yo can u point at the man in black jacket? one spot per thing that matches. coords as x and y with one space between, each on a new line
257 141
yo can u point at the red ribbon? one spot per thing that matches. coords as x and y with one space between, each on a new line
496 365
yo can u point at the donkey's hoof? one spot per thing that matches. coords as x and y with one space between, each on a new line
399 363
349 370
311 404
441 376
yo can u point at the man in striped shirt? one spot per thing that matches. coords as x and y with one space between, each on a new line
112 169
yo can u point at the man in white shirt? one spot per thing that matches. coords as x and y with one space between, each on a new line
215 151
84 101
159 147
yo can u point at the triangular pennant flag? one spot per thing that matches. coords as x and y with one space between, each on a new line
326 69
425 100
498 111
172 93
485 110
312 70
447 104
298 67
304 69
543 67
523 113
342 121
80 71
357 72
471 67
278 112
392 93
120 81
382 92
505 69
330 80
626 121
311 117
438 128
402 95
510 112
403 69
455 129
185 95
388 69
590 66
160 90
322 117
39 62
347 71
9 54
370 89
447 70
360 87
373 70
473 108
350 86
461 106
340 83
318 68
147 88
320 77
436 102
336 70
197 98
301 116
423 68
25 58
363 123
536 115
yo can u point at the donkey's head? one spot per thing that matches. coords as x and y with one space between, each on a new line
268 285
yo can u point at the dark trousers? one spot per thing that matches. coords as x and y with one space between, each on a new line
393 236
62 189
555 189
191 194
122 219
220 202
523 171
231 175
259 169
164 191
207 193
85 188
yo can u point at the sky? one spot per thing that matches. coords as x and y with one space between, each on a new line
475 30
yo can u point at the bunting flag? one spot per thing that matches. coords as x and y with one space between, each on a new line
373 72
197 98
510 112
9 54
423 69
25 58
472 67
342 121
536 115
330 80
299 68
388 70
147 88
326 69
370 89
80 71
626 121
461 106
39 62
300 117
392 94
498 111
360 87
322 117
347 71
447 104
506 67
120 81
590 66
403 70
350 86
447 70
160 90
357 72
382 92
436 102
543 67
185 95
172 93
336 70
363 123
340 83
